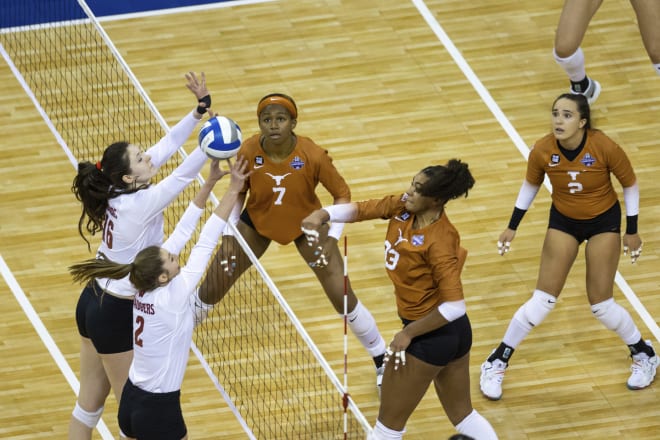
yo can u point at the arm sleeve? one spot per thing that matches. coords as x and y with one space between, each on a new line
199 258
174 139
526 195
184 229
631 199
342 213
235 214
166 190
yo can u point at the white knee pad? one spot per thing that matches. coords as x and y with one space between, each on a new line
363 325
382 432
89 419
616 318
534 311
476 426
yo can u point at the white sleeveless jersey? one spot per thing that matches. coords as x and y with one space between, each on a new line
163 318
135 221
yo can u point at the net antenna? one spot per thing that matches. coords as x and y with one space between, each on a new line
253 347
345 399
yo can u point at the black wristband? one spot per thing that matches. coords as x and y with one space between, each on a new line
631 224
206 101
516 217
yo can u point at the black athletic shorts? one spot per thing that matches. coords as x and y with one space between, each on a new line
105 319
609 221
151 416
443 345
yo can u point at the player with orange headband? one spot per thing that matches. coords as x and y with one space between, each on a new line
281 191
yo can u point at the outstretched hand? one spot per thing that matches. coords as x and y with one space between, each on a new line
197 85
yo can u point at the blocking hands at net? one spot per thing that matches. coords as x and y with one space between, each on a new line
162 319
286 169
578 160
423 259
573 22
119 201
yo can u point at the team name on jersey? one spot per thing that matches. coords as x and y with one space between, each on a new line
146 308
112 211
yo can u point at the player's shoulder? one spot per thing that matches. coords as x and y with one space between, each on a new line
601 140
308 145
547 142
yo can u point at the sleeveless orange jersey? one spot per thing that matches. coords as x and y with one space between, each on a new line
423 264
281 195
581 188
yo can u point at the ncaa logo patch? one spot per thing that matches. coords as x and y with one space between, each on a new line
417 240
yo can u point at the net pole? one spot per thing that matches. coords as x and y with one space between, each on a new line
345 398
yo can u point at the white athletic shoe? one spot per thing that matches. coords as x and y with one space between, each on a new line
643 370
492 375
592 92
379 378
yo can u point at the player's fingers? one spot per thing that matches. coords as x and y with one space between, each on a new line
503 248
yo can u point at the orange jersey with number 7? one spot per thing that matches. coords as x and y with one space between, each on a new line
281 194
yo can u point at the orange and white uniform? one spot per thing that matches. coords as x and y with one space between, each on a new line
281 195
581 188
424 264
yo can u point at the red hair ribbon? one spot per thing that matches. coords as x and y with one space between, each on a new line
98 165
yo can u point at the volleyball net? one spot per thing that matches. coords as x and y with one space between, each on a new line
255 350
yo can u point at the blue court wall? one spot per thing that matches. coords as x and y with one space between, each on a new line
26 12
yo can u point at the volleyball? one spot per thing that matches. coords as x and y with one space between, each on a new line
220 137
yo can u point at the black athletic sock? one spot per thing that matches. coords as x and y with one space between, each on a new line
378 360
503 353
580 86
641 347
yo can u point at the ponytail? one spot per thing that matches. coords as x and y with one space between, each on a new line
447 182
143 272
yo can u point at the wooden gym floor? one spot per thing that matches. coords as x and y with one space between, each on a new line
387 87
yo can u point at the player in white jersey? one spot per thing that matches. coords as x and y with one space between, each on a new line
150 405
118 200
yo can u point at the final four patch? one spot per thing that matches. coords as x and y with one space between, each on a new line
588 160
297 163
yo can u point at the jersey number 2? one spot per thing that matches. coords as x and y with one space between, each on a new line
138 331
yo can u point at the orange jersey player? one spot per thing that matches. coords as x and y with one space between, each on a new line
282 192
286 169
423 259
582 188
578 161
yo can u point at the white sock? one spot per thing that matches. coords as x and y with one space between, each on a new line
616 318
382 432
656 66
363 325
477 427
573 65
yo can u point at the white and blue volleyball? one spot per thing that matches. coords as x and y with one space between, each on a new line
220 137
